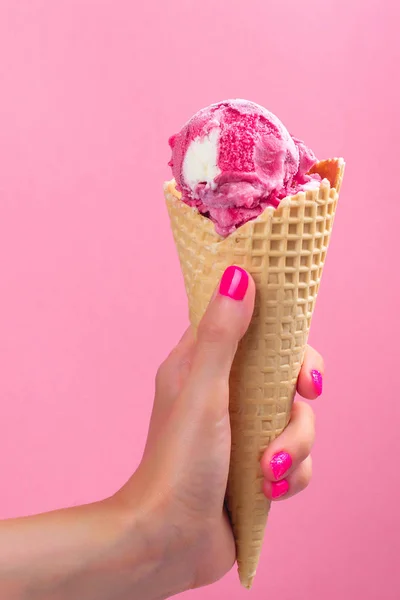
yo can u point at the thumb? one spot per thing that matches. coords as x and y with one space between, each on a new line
223 325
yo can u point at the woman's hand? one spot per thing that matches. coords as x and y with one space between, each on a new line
166 530
183 475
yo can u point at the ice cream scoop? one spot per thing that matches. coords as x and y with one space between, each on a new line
233 159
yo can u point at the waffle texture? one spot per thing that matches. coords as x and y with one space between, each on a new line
284 250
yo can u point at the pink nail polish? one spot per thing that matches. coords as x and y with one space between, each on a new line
280 463
234 283
278 489
317 381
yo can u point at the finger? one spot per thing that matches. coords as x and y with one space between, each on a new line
178 355
186 342
309 383
173 371
293 446
182 348
296 482
224 323
170 377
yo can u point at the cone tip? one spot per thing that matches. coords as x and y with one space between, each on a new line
246 578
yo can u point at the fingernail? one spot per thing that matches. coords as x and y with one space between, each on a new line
278 489
234 283
280 463
317 381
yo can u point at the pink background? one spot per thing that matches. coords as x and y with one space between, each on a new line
90 303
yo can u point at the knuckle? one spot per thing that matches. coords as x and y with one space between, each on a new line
305 475
306 413
304 449
305 408
303 482
213 331
305 446
161 373
306 430
309 413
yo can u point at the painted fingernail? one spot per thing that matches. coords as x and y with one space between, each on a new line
234 283
280 463
278 489
317 381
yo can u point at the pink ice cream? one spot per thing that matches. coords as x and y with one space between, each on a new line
233 159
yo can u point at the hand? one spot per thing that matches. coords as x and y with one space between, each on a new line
166 530
182 479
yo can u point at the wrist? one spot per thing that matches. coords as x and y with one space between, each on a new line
149 553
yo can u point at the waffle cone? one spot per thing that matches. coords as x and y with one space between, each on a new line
284 249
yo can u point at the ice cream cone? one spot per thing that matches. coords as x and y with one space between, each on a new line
284 249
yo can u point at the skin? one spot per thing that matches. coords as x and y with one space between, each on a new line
166 530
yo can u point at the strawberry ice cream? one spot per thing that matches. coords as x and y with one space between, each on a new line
233 159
